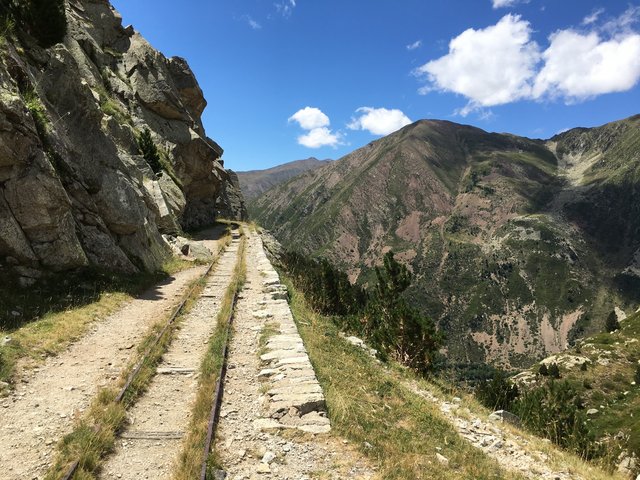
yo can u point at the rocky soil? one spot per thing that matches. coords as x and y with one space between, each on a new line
270 402
512 451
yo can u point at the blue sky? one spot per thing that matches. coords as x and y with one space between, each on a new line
290 79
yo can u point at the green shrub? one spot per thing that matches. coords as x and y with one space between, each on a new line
149 150
612 323
543 370
554 371
498 393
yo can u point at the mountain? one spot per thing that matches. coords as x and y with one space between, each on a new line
517 246
255 182
75 190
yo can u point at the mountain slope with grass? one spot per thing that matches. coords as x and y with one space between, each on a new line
415 428
517 246
102 148
255 182
604 372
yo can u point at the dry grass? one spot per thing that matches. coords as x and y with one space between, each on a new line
54 332
191 456
370 406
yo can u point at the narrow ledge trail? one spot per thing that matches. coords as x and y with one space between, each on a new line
47 399
512 451
149 447
273 420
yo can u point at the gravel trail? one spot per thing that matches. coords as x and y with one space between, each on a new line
149 446
46 400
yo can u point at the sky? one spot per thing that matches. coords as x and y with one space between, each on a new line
290 79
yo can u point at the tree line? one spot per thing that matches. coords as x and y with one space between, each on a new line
379 314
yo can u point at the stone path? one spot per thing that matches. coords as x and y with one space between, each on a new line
512 451
151 443
44 404
269 398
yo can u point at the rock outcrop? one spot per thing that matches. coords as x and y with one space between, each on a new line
74 189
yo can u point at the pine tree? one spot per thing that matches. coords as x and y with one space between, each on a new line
149 150
612 323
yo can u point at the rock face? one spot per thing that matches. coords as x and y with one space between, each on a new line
74 189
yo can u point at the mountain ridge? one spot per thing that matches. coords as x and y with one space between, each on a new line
495 227
255 182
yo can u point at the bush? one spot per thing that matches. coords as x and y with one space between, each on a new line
543 370
612 323
149 150
498 393
554 371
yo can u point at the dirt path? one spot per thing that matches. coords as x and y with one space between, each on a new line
149 446
512 451
265 426
42 408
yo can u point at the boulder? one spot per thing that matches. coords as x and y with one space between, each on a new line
504 416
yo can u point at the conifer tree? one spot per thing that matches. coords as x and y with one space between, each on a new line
149 150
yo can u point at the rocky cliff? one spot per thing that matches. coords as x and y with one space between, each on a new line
517 246
74 188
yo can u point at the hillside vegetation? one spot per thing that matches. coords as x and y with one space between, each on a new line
603 371
518 247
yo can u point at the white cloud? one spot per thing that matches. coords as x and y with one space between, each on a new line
579 66
502 64
320 137
414 45
285 7
252 23
507 3
309 118
316 123
490 66
593 16
379 121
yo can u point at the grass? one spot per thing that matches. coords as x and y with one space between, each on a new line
371 403
191 456
94 435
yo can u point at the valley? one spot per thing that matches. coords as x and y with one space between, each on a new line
518 246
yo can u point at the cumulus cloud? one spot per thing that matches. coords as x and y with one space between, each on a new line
320 137
502 64
507 3
490 66
316 122
379 121
310 118
414 45
578 66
